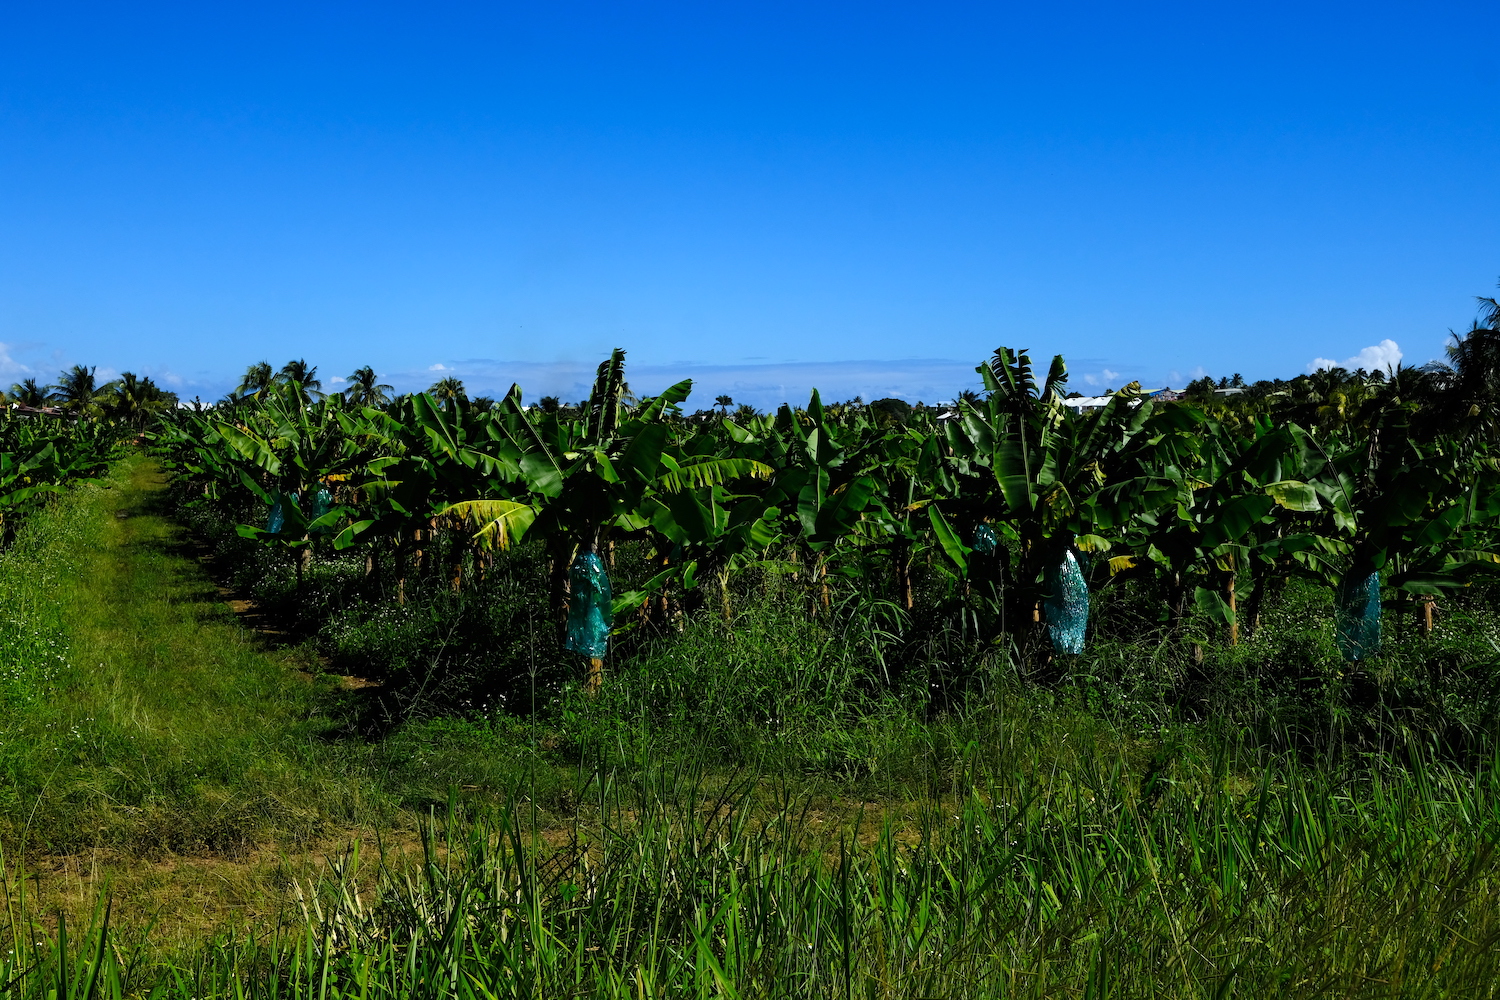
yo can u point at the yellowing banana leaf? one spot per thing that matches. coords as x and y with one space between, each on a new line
501 521
1092 543
708 471
1294 495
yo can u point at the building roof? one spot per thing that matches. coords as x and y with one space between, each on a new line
22 410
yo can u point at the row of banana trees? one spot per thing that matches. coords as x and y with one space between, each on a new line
39 456
1024 503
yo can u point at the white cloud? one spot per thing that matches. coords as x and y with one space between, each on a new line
439 367
337 380
1178 379
1105 377
1379 357
10 368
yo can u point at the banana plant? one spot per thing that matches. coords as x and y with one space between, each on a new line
1039 476
619 470
37 458
287 454
1419 514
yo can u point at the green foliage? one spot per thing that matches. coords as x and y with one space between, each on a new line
1200 509
39 455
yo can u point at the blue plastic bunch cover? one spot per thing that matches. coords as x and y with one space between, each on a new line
589 610
322 503
985 541
1067 604
276 517
1356 616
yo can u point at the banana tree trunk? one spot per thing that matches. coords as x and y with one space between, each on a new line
482 560
401 561
903 573
455 562
662 604
1234 618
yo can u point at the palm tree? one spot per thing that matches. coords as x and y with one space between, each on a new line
28 393
724 403
448 390
302 375
257 378
365 388
78 391
1474 356
1470 379
134 399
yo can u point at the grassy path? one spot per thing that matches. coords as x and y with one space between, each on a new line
187 763
174 754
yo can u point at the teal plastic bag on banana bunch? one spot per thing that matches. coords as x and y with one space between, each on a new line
1356 616
1067 604
322 504
276 516
589 607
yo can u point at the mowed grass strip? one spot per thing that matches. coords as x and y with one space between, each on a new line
148 742
171 729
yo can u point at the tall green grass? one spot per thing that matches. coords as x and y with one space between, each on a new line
1040 881
35 650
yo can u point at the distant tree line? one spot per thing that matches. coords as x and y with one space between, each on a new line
132 399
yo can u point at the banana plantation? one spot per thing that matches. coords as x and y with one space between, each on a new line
1007 697
1005 511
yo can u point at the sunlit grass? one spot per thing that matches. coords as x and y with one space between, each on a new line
1044 884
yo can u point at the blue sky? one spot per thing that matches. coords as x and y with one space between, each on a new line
868 197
